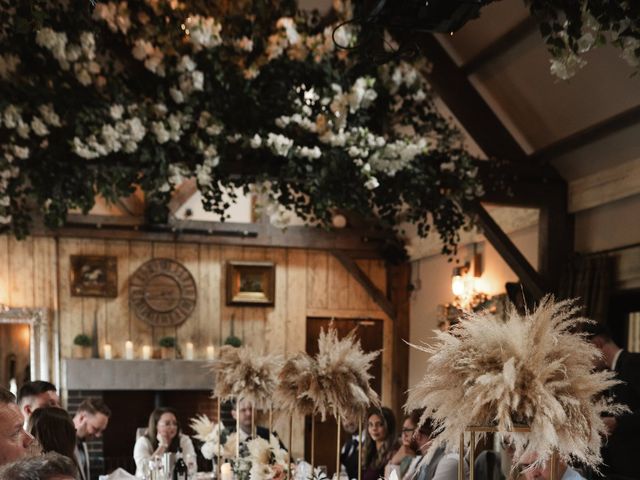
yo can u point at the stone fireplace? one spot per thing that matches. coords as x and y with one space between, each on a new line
132 389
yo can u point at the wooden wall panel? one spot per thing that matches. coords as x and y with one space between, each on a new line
117 330
5 284
140 333
308 283
21 269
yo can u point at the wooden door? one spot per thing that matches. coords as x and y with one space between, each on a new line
370 333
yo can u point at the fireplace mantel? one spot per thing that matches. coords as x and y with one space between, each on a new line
100 375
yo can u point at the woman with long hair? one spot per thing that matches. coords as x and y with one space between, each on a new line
53 428
163 435
379 442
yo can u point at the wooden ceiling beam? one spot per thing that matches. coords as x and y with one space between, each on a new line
586 136
501 45
452 85
530 278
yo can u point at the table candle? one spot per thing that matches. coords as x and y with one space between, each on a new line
128 350
211 352
146 352
107 352
225 472
188 355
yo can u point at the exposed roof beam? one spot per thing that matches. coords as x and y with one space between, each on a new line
501 45
365 282
182 194
605 186
468 106
587 135
531 279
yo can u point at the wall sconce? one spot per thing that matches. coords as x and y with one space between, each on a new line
467 287
458 286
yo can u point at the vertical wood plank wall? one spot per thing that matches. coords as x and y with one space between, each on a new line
308 283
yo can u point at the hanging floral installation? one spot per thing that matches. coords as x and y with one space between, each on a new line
571 29
531 370
101 98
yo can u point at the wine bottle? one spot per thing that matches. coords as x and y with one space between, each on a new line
180 470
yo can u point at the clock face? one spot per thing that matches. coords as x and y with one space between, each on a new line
162 292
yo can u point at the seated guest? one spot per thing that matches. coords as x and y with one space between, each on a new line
246 411
53 428
90 420
37 394
543 472
378 443
163 435
51 466
407 449
422 440
437 464
14 441
350 449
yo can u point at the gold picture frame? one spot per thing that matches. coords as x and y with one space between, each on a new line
93 276
251 283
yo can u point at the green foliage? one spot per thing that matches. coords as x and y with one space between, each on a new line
101 100
233 341
82 340
167 342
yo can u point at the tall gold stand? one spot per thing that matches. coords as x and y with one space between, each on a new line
313 444
219 462
472 450
338 447
237 429
360 448
290 474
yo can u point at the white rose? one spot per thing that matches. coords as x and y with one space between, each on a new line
116 111
39 127
176 95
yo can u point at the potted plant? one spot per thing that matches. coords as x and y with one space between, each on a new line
82 346
167 348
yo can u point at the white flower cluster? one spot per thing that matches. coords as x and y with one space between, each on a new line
263 455
396 156
244 44
123 135
151 55
8 65
82 56
115 15
12 120
171 129
203 32
8 171
190 79
279 144
210 124
360 95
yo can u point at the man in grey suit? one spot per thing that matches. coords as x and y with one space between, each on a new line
90 420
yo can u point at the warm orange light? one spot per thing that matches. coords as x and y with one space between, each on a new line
457 285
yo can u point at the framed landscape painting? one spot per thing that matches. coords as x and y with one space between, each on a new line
251 283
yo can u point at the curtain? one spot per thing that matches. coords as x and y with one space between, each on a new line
589 278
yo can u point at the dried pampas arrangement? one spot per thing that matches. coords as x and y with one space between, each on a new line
241 374
530 370
343 376
298 382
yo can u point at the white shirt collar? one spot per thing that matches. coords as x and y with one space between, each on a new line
615 360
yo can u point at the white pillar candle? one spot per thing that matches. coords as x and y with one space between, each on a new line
225 472
146 352
188 354
128 350
107 352
211 352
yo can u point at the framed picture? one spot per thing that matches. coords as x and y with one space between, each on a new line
93 276
251 283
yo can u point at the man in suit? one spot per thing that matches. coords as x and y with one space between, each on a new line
90 420
37 394
245 412
623 443
350 449
14 441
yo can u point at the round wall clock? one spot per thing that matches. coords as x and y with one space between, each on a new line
162 292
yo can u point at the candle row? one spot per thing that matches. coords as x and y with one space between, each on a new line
147 351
